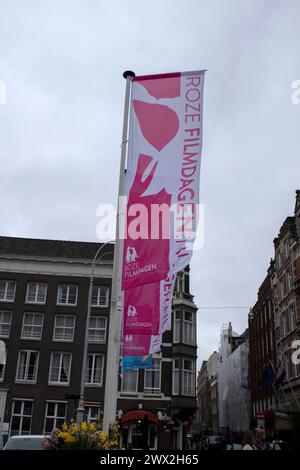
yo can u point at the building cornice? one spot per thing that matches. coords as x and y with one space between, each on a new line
54 266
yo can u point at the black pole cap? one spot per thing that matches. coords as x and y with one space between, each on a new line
128 73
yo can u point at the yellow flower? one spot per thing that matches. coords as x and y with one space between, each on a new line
92 427
68 439
72 420
74 429
63 435
65 427
84 426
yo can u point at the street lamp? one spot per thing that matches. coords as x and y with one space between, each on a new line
80 409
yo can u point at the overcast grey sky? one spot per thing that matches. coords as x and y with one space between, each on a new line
60 131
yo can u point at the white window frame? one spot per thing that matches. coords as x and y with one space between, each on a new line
176 324
55 417
21 415
37 285
87 413
95 384
23 336
185 324
64 340
26 380
67 303
58 383
97 329
190 372
131 392
152 390
98 304
177 371
4 299
7 335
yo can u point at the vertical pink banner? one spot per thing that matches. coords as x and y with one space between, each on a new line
163 171
142 310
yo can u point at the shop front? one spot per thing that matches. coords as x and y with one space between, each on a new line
139 430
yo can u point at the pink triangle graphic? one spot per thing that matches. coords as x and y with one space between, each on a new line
159 123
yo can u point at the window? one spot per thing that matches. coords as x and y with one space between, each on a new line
60 368
286 248
2 372
97 330
92 414
152 378
100 296
94 369
32 327
189 328
292 317
176 327
27 366
289 279
267 345
282 327
188 377
129 381
268 306
55 416
179 283
36 293
279 259
288 365
21 417
265 313
64 327
67 295
5 323
281 290
288 321
7 291
176 376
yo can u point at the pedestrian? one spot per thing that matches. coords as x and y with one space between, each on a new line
260 439
248 440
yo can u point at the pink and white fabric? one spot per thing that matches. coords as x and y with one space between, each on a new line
163 169
142 310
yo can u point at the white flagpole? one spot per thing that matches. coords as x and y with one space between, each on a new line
113 347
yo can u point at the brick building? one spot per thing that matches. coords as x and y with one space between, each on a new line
274 325
43 301
262 345
285 282
207 395
203 392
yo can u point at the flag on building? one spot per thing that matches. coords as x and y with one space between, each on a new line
280 374
268 376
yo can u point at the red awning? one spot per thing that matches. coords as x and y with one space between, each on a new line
136 415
